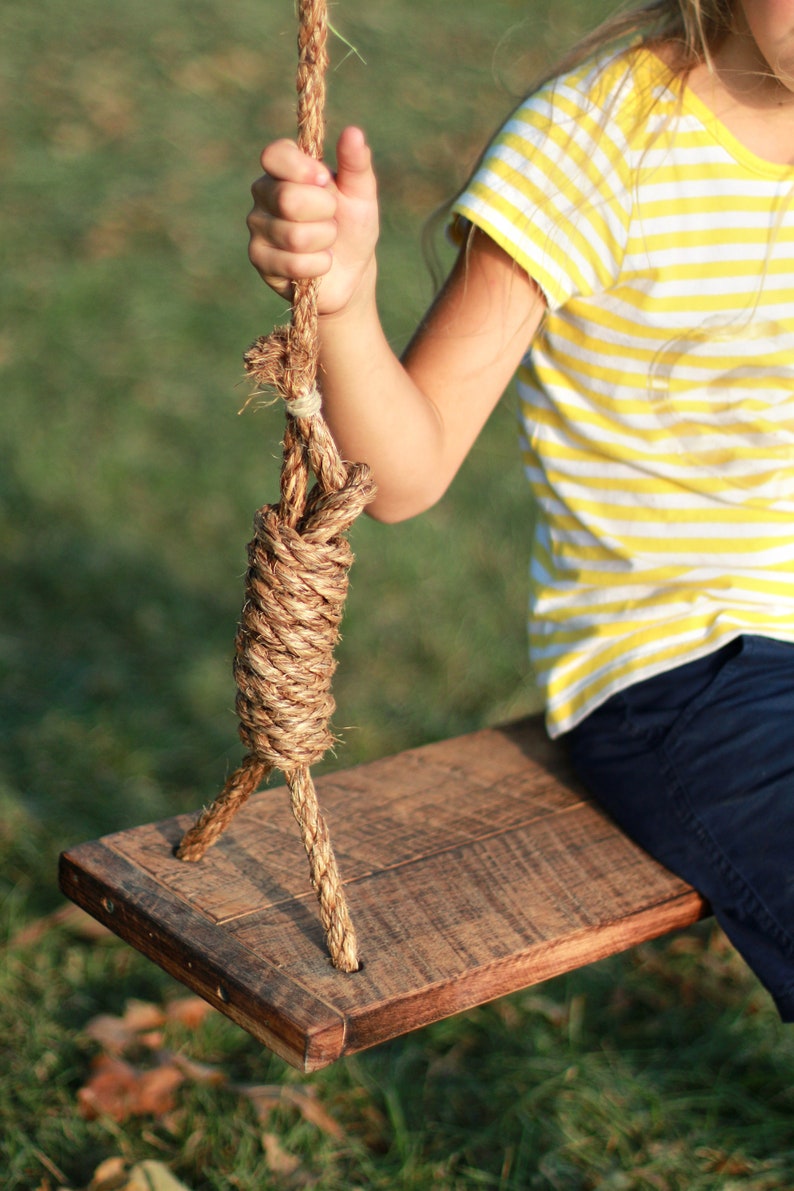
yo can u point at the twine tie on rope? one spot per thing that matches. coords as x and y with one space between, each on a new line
307 405
298 563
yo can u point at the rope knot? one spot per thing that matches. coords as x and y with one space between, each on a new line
295 593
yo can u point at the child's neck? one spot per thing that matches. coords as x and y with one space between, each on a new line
747 97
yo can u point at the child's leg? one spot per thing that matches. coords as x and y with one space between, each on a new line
697 765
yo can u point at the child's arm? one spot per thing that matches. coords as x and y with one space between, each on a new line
412 421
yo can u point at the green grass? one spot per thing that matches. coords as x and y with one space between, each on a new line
127 484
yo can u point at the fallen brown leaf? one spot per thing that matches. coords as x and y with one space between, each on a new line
140 1024
155 1090
109 1176
143 1015
119 1091
188 1011
112 1033
152 1039
310 1108
69 916
201 1073
113 1175
266 1097
278 1159
153 1176
109 1091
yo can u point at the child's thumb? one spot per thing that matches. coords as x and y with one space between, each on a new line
354 174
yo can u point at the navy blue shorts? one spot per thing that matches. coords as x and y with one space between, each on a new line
697 766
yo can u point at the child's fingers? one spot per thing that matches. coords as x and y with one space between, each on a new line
290 236
291 226
293 201
283 160
294 188
282 250
279 269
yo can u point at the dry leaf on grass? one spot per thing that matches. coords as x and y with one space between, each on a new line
279 1160
113 1175
188 1011
195 1072
71 917
120 1091
119 1034
142 1023
153 1176
110 1175
266 1097
310 1108
112 1033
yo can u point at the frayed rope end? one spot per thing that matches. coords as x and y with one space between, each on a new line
280 361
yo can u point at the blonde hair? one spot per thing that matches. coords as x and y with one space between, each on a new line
693 30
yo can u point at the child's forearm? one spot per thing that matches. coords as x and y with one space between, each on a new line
378 415
413 421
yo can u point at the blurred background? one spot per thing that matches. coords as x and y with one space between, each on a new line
129 139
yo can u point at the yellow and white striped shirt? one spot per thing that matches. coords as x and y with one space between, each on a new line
658 397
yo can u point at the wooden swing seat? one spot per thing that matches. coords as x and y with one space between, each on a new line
473 867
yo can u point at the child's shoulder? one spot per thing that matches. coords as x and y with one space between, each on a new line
621 87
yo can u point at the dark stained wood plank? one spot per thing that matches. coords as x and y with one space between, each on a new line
454 930
278 1011
473 867
381 815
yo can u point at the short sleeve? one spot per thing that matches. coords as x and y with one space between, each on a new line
553 187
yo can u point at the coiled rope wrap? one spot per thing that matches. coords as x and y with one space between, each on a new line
298 563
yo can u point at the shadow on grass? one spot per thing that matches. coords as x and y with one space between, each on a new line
110 667
665 1063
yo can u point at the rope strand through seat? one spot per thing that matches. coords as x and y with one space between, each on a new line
298 563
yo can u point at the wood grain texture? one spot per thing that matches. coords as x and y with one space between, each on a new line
473 867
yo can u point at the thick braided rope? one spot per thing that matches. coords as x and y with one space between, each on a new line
298 562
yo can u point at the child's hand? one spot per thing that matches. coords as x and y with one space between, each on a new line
307 223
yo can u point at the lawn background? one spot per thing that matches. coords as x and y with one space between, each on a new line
127 485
